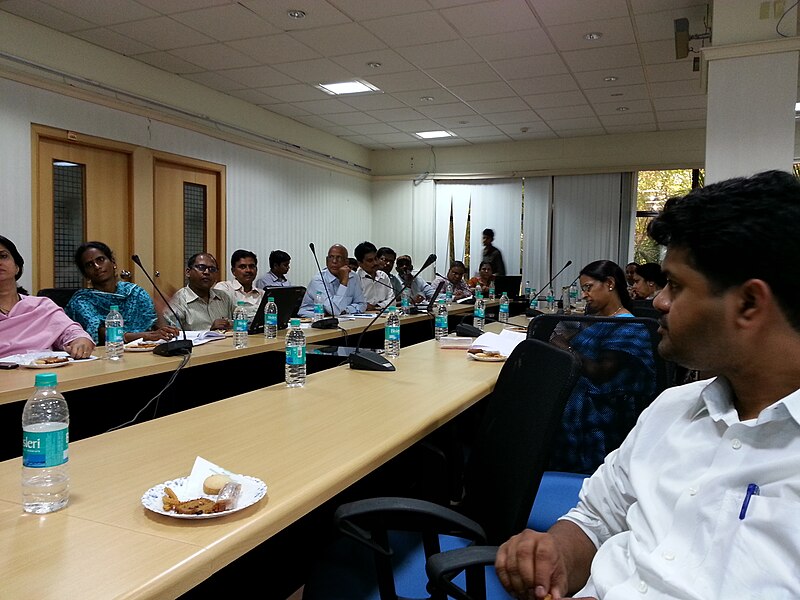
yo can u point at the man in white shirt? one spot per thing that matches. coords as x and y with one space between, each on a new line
244 268
376 285
701 500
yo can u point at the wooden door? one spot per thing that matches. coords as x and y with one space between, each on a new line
187 219
84 194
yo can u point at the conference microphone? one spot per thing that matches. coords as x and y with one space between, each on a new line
368 360
529 312
327 322
412 309
174 347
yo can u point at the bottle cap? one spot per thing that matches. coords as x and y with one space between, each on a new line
392 308
270 299
241 303
294 322
46 380
114 307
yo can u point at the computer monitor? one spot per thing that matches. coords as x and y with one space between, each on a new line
288 300
508 284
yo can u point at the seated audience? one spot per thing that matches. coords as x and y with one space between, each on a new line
421 290
341 283
90 306
455 277
648 280
244 268
630 271
700 501
33 322
482 280
198 305
279 263
375 284
618 375
386 257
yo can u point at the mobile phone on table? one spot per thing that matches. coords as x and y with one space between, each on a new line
8 365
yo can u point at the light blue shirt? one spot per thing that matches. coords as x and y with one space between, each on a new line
346 298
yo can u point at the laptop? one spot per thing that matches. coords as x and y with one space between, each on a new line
508 284
288 300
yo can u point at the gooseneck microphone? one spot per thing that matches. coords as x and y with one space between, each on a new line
413 308
367 360
327 322
529 312
174 347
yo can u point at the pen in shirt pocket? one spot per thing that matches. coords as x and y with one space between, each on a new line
752 490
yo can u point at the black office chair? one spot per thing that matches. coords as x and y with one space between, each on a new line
511 451
60 296
645 308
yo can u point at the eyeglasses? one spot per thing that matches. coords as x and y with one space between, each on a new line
336 258
96 263
204 268
587 287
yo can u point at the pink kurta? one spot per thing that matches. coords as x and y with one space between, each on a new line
36 323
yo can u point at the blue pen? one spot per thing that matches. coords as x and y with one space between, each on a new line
752 490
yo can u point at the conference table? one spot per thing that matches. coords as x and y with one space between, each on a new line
307 444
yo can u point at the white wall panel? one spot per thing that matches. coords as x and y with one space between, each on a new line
536 231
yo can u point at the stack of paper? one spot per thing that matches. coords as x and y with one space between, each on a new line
503 343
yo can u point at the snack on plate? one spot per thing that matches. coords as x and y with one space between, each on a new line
484 353
51 360
228 497
213 484
226 500
198 506
146 345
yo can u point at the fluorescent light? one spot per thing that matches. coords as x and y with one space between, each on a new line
356 86
797 107
429 135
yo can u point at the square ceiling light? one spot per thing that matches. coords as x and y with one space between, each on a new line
356 86
432 135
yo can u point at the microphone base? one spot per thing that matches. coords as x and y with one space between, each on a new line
328 323
174 348
532 312
465 330
366 360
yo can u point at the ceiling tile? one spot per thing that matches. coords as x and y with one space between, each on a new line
316 70
168 7
403 82
513 44
440 54
544 85
257 77
360 10
661 51
372 101
615 32
499 105
288 110
617 93
533 135
559 125
609 57
559 12
678 125
474 132
632 106
167 62
462 121
412 30
565 112
671 72
107 12
314 121
646 118
487 18
516 117
446 110
487 139
254 97
395 114
392 138
225 23
162 33
645 6
351 118
694 114
439 96
319 13
533 126
273 49
680 102
111 40
624 76
338 40
371 128
215 81
464 74
532 66
213 57
666 89
46 15
573 98
297 92
324 107
572 133
414 126
483 91
643 127
390 61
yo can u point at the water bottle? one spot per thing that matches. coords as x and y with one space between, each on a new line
532 299
479 314
240 325
271 319
405 302
565 301
45 448
391 343
115 342
573 294
441 327
319 308
295 355
448 295
551 300
491 291
528 289
503 316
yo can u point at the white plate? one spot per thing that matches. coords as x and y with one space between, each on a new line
33 365
253 490
498 358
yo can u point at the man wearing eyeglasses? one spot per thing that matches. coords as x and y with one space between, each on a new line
341 283
198 305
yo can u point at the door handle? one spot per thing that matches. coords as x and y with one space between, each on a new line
158 273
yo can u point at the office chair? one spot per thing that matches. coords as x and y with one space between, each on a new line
60 296
511 451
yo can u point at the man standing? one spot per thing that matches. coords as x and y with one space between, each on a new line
701 499
200 307
278 268
375 284
491 254
244 268
341 283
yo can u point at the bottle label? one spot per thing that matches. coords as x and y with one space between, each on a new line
272 319
404 302
393 333
296 355
449 296
318 309
480 312
42 449
441 321
504 308
240 325
113 335
491 291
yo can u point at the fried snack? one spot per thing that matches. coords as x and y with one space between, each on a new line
198 506
170 499
228 497
51 360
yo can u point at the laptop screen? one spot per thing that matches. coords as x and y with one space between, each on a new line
508 284
287 299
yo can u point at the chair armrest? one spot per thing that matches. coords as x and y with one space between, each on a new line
359 520
443 567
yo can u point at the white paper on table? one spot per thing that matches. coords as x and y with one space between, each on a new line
202 468
504 343
199 338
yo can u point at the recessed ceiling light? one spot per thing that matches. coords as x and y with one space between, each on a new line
622 108
797 107
463 122
593 35
374 65
429 135
426 98
610 78
296 14
357 86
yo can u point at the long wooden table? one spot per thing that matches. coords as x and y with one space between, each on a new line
307 444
